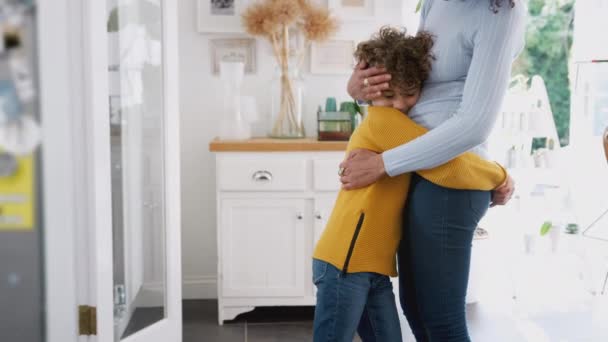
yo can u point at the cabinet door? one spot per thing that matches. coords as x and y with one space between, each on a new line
323 208
263 247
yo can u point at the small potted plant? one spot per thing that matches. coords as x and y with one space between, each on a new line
572 228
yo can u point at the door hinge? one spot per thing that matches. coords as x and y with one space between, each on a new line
87 320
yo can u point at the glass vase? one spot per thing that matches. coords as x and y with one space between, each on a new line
287 91
232 125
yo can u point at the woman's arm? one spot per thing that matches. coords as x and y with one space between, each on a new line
385 128
499 39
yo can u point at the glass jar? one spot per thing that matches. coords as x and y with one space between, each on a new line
287 92
334 126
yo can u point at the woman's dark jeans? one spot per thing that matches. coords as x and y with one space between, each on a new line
434 258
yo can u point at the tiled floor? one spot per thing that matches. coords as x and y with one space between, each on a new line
261 325
295 325
552 304
487 323
143 317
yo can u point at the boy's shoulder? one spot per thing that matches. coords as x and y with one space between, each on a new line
384 112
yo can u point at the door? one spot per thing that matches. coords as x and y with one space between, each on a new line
263 247
136 167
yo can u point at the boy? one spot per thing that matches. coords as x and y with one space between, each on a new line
355 256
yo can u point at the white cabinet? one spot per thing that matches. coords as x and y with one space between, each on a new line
272 208
323 207
264 247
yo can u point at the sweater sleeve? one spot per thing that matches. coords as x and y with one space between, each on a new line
385 128
499 38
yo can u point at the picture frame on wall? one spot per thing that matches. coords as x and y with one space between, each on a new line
353 10
233 49
334 57
220 16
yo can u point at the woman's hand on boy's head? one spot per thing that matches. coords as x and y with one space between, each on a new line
361 168
367 83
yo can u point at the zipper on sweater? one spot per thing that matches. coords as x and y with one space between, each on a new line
352 244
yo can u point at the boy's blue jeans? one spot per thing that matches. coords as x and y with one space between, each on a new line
352 302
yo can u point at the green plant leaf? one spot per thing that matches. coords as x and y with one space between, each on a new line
419 6
357 108
545 228
112 24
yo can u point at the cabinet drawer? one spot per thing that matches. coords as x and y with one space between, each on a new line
325 174
239 174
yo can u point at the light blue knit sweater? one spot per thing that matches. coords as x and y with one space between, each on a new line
474 50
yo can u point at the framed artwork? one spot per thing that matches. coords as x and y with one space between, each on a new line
349 10
233 49
220 16
334 57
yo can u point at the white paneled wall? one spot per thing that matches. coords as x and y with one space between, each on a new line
200 92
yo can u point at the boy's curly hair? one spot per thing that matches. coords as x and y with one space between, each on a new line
407 58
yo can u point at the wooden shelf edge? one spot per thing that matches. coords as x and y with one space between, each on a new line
275 145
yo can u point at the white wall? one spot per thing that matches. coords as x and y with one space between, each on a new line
199 117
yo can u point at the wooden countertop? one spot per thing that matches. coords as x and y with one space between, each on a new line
275 145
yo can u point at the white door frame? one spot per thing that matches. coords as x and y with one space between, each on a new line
56 75
98 153
73 63
66 189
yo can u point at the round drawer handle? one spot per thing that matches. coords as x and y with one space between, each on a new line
300 216
262 176
318 216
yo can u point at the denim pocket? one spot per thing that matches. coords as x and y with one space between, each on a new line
319 269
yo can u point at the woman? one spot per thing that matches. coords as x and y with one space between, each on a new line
355 255
475 44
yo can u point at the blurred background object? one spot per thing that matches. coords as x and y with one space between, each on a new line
21 227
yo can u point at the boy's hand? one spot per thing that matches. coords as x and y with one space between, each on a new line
502 194
361 168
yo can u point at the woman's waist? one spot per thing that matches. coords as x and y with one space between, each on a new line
439 99
431 116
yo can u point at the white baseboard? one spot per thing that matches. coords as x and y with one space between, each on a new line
201 287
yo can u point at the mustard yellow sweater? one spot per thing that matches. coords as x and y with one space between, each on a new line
364 230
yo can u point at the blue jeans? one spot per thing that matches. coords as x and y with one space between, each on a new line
353 301
434 258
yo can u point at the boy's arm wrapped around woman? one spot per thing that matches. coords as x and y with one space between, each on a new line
389 128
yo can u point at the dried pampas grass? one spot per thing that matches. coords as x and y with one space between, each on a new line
285 12
255 19
318 24
270 18
274 19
